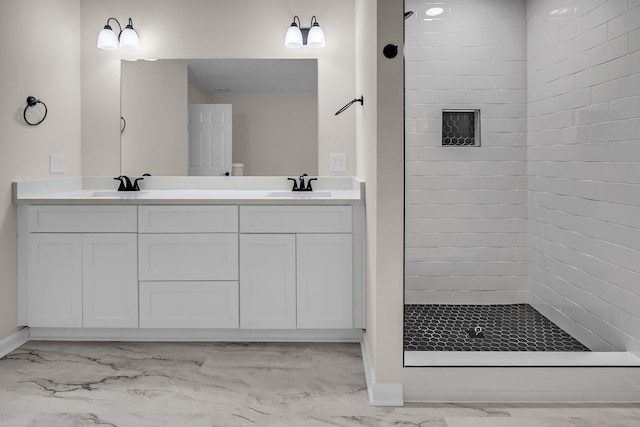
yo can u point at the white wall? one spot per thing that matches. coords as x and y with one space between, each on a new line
380 164
389 157
210 29
154 105
584 167
40 54
196 96
466 206
273 133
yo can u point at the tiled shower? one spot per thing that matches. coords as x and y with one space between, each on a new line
543 209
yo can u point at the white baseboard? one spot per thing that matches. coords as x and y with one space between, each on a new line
380 394
203 335
14 341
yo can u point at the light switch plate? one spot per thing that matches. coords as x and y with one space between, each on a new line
56 163
337 162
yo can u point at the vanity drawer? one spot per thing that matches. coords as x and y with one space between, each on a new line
295 219
189 305
188 219
188 256
82 219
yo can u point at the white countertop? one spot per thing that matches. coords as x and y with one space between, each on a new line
188 190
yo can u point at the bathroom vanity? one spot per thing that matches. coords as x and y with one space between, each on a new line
191 258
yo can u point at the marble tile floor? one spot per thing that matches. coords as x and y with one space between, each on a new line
127 384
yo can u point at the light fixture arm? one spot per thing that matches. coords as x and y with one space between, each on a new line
117 22
129 25
304 31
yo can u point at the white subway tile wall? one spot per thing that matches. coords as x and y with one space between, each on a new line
583 155
466 207
548 209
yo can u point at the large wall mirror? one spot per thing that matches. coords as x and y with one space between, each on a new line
274 119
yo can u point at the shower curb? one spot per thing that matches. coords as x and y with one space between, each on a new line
522 384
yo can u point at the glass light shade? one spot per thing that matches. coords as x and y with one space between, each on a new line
315 38
293 38
107 39
129 39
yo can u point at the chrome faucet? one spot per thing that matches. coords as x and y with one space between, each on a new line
302 186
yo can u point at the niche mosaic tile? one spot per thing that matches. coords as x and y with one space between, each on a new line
461 128
509 327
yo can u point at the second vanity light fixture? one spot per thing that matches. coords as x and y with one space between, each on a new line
297 36
126 39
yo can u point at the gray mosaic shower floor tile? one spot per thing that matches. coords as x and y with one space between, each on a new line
508 327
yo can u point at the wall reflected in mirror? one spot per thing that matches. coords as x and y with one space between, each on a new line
274 104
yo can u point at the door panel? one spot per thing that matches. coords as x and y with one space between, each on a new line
210 139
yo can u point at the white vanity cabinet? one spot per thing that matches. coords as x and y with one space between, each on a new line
257 272
296 267
82 266
188 266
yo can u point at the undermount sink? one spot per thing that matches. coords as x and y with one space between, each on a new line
299 194
118 194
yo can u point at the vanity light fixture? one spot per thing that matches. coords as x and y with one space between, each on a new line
126 39
296 36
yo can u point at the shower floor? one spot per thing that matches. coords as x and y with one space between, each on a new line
505 327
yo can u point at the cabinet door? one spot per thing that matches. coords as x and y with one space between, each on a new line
325 291
55 280
268 281
110 280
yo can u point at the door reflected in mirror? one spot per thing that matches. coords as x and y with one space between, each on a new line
274 115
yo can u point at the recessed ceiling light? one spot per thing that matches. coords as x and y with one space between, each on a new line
434 11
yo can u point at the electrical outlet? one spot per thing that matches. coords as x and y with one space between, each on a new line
337 162
56 163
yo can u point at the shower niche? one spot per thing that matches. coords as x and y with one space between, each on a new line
460 128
